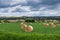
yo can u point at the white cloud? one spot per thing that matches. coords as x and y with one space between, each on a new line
36 1
9 3
27 8
17 1
31 13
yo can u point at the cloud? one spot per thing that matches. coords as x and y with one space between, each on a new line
22 9
32 13
10 3
36 4
30 7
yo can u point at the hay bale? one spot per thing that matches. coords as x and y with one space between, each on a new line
53 25
22 21
29 29
31 23
46 24
0 23
23 26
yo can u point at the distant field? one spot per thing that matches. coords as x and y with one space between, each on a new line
38 28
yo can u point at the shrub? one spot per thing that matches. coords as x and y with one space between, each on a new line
6 21
0 21
29 20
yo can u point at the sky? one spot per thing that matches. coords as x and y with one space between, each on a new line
29 8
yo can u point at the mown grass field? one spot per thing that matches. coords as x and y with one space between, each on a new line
40 32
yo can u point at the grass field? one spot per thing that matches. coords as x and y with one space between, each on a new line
38 28
13 31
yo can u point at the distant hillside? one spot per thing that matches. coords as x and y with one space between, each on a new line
34 17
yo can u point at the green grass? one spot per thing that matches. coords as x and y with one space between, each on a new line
38 28
31 36
12 31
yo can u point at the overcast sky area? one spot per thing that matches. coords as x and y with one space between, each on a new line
29 8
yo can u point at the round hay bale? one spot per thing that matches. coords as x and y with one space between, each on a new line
46 24
23 26
53 25
22 21
30 23
0 23
29 29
